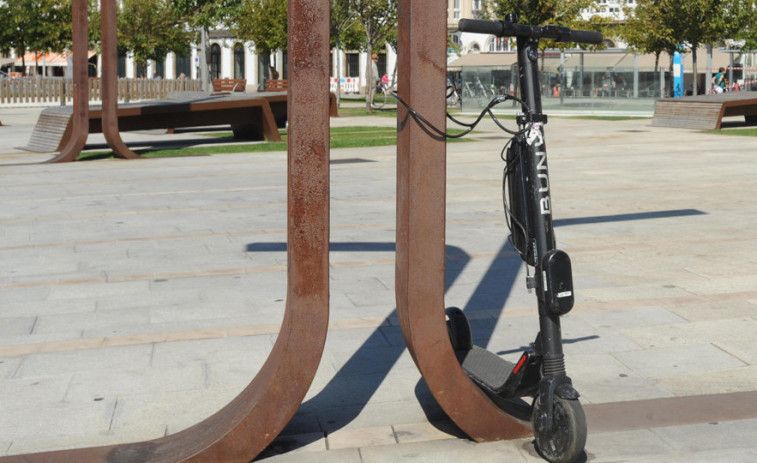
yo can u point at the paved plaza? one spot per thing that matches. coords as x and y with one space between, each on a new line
139 297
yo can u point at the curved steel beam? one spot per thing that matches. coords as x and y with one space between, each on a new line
109 54
421 184
80 116
244 427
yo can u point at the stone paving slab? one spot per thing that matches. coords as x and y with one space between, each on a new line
158 288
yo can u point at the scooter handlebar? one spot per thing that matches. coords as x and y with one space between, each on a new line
585 37
482 27
509 29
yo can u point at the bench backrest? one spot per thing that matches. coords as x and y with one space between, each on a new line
229 85
276 85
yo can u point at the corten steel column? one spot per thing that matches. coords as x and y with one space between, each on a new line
244 427
80 116
421 183
110 81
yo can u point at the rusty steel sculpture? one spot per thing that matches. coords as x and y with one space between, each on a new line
421 185
244 427
109 54
80 122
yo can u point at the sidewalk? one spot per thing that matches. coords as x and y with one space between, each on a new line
138 297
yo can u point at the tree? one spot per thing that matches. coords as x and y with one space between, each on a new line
263 22
647 30
744 14
34 25
378 18
202 15
150 29
341 20
699 22
672 25
541 12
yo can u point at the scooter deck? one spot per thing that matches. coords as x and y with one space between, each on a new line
487 369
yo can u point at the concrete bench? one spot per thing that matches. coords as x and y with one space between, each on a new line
705 112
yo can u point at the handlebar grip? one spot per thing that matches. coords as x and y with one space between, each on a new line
481 27
585 37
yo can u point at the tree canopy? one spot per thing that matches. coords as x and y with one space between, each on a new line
378 19
655 26
263 22
150 29
542 12
35 25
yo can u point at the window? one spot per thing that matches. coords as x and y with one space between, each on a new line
239 61
121 65
215 61
353 65
381 64
184 63
498 44
160 68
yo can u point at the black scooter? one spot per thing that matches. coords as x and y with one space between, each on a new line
557 416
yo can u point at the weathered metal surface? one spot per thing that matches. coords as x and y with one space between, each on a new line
109 55
80 123
421 182
244 427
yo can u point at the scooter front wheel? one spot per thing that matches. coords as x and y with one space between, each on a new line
459 329
565 442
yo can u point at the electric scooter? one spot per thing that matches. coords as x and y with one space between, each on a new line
558 419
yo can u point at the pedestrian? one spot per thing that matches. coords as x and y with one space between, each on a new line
718 82
374 70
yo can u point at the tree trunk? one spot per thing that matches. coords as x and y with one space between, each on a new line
338 56
370 89
694 66
670 90
203 60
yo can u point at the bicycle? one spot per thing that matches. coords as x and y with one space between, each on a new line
381 95
453 97
557 416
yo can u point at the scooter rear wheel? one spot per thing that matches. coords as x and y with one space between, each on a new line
566 441
459 329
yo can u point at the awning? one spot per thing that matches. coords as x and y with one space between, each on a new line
503 60
5 61
48 59
593 60
597 61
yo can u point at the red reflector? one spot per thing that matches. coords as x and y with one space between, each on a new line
521 362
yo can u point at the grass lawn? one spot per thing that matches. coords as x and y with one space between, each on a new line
605 118
752 132
341 137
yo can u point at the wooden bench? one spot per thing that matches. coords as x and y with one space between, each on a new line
282 85
251 117
276 85
229 85
705 112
